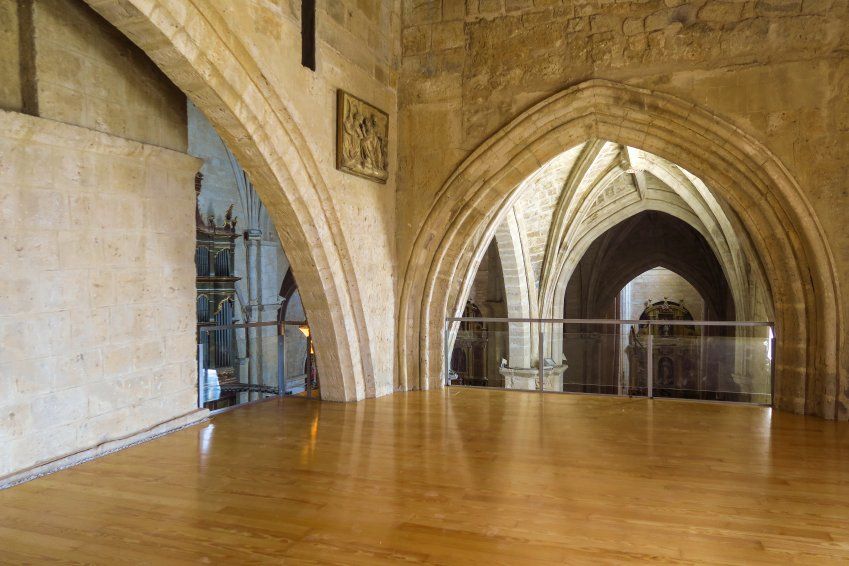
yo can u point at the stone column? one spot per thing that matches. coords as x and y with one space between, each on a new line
252 273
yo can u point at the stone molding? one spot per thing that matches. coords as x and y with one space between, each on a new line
108 447
46 131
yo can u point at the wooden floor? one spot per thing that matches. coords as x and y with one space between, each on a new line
456 477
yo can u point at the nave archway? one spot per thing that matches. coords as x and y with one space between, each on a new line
216 72
773 212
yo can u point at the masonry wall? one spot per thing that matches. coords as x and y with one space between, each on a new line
487 291
60 60
97 280
777 69
88 74
359 51
10 86
96 290
655 285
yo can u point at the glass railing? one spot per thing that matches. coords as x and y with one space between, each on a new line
700 360
480 351
243 363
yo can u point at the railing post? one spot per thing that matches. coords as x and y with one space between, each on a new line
446 354
541 360
281 360
201 371
650 362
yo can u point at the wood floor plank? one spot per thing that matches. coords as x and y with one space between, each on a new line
456 476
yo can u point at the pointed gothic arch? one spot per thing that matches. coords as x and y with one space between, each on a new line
773 209
210 65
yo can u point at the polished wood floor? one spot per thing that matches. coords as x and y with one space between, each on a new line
456 477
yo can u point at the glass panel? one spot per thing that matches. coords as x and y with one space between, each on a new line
633 355
648 358
521 370
489 354
300 369
608 359
238 365
552 356
713 363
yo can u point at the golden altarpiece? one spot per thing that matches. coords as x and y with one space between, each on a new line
676 352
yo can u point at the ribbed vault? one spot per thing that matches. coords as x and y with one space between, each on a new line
576 199
649 239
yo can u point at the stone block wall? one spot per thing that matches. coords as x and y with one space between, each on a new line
96 290
87 73
655 284
10 86
60 60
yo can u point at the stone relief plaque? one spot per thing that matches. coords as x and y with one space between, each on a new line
362 138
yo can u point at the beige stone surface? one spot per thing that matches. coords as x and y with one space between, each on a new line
89 75
10 85
655 285
97 289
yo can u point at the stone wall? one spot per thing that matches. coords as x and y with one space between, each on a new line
88 74
627 255
487 291
96 291
654 285
777 69
358 51
774 68
62 61
10 62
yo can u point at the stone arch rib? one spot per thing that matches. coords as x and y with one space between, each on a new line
218 74
786 234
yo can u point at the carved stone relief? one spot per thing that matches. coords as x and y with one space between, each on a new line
362 138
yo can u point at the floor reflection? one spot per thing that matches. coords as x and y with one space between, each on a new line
460 475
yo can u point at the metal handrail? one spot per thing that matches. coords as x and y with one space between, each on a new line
252 325
205 330
615 321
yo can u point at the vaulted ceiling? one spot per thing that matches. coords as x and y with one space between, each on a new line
571 200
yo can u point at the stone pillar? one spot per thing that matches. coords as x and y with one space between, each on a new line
252 272
527 379
517 289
